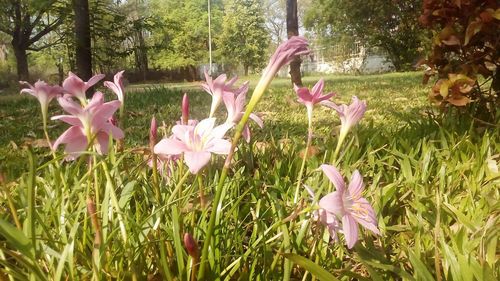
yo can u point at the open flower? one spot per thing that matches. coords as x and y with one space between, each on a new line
327 219
235 105
197 143
348 205
311 98
76 87
217 88
44 93
90 123
117 86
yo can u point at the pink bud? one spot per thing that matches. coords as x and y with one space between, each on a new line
185 109
191 245
153 132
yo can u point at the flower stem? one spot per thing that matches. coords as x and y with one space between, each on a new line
302 166
178 187
257 94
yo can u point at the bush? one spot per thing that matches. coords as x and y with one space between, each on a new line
464 54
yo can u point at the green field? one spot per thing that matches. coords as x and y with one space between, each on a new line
433 181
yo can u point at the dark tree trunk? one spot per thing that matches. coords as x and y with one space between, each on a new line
246 69
142 55
83 53
292 28
21 63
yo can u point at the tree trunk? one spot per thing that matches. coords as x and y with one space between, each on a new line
143 55
83 53
21 63
292 28
246 69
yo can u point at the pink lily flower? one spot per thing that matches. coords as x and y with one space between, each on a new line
197 143
325 218
313 97
348 205
285 53
117 86
235 105
164 164
349 114
217 88
44 93
88 123
77 87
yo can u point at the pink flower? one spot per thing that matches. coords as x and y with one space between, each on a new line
44 93
349 114
327 219
164 164
77 88
117 86
235 105
196 142
309 99
348 205
217 88
88 123
285 53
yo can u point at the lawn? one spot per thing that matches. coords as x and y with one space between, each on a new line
433 182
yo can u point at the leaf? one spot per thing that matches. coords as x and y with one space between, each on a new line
16 239
472 29
421 271
310 266
443 89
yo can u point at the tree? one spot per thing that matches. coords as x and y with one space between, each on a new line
27 22
390 25
244 36
83 52
292 29
182 40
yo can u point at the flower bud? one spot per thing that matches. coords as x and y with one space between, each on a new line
153 133
185 109
191 245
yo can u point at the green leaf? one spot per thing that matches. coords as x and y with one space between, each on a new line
421 270
310 266
16 239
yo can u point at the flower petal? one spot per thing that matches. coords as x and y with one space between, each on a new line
170 146
218 146
350 228
366 217
204 127
196 160
334 176
70 135
355 185
333 203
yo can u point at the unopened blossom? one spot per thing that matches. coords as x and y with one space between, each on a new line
117 86
313 97
44 93
285 53
348 205
153 133
217 88
76 87
350 114
191 245
235 105
90 123
185 109
196 143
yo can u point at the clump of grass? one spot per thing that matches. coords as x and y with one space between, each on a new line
434 188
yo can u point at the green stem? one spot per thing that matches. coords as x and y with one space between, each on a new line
31 200
178 187
303 165
156 181
259 90
203 201
339 145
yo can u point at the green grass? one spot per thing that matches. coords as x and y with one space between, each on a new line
433 183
